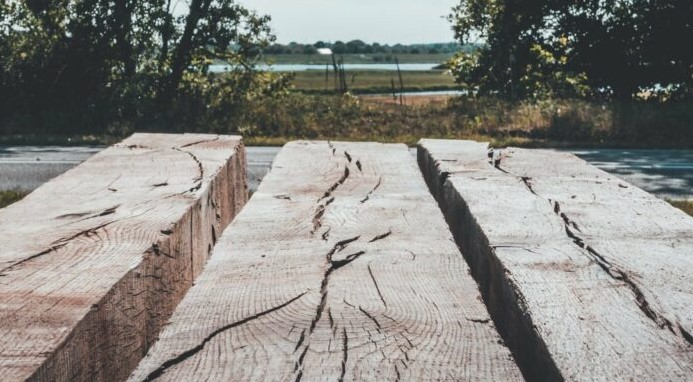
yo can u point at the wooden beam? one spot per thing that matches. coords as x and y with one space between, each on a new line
94 262
586 276
341 267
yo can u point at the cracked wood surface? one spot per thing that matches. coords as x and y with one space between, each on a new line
341 267
94 262
586 276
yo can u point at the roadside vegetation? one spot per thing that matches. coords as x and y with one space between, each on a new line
550 123
8 197
684 205
546 123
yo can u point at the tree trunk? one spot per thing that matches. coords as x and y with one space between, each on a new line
123 30
183 53
165 37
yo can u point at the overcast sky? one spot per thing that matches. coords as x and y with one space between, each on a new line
384 21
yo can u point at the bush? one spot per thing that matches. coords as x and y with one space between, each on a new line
76 67
11 196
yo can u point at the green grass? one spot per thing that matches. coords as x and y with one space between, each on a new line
564 123
554 123
407 139
10 196
57 140
374 82
316 59
684 205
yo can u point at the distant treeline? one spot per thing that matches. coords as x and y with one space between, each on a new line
360 47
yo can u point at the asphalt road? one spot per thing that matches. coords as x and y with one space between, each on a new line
665 173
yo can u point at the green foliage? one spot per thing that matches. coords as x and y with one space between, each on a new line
301 116
464 66
95 66
546 75
532 122
529 123
8 197
552 119
588 48
684 205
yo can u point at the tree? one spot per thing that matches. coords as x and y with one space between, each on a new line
339 47
617 48
355 46
82 65
510 29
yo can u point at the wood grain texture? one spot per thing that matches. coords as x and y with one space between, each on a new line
341 267
94 262
586 276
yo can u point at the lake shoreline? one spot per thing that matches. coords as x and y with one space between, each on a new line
293 68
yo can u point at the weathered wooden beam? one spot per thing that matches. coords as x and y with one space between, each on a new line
586 276
341 267
93 263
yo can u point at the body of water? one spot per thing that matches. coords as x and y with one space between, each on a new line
347 67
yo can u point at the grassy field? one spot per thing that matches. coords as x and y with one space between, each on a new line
9 197
685 205
552 123
374 82
311 59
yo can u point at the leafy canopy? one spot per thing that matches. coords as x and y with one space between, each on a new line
599 48
91 65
